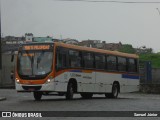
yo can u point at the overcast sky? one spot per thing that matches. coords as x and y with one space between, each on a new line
137 24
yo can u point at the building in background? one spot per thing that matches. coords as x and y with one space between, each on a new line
101 45
43 39
11 43
90 43
13 40
112 46
28 37
70 41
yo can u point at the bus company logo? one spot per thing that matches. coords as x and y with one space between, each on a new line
6 114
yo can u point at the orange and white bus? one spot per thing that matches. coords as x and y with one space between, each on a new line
64 69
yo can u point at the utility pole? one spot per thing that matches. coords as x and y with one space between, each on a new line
0 41
0 49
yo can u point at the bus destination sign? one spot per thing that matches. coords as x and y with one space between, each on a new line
36 47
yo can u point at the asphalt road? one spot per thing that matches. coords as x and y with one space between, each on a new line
125 102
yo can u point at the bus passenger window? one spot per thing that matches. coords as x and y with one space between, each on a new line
61 60
74 59
88 60
122 64
100 61
111 63
132 67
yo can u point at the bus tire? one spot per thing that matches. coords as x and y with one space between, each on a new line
37 95
86 95
108 95
114 93
70 91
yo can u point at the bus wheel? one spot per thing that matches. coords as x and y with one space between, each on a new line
70 92
86 95
37 95
108 95
115 91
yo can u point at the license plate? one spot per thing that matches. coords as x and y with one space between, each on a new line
31 89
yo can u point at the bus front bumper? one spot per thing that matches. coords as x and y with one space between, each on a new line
38 87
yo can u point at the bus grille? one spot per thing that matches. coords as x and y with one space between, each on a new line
31 87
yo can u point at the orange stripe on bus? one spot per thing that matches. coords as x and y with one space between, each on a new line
87 71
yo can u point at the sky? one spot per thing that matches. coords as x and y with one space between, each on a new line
130 23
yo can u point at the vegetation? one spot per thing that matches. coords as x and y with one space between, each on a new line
144 56
127 49
153 57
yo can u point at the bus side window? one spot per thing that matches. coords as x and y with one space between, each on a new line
88 60
132 67
74 59
122 63
111 63
99 61
61 60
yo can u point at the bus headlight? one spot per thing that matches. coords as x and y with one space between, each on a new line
50 79
17 80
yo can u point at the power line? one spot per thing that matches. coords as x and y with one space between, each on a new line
114 1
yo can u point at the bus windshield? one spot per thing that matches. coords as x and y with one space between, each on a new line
33 64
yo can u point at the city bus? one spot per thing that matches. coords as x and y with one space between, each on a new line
63 69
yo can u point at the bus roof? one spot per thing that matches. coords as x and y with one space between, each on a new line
96 50
87 49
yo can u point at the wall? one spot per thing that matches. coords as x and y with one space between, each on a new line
7 67
156 75
150 88
153 85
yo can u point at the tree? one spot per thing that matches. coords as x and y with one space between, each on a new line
153 57
127 48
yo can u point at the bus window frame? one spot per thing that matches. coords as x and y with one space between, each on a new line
126 66
80 55
115 70
82 52
62 51
83 60
104 63
136 61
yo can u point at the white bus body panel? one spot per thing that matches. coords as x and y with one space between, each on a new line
96 82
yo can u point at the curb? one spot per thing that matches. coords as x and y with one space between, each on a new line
2 98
